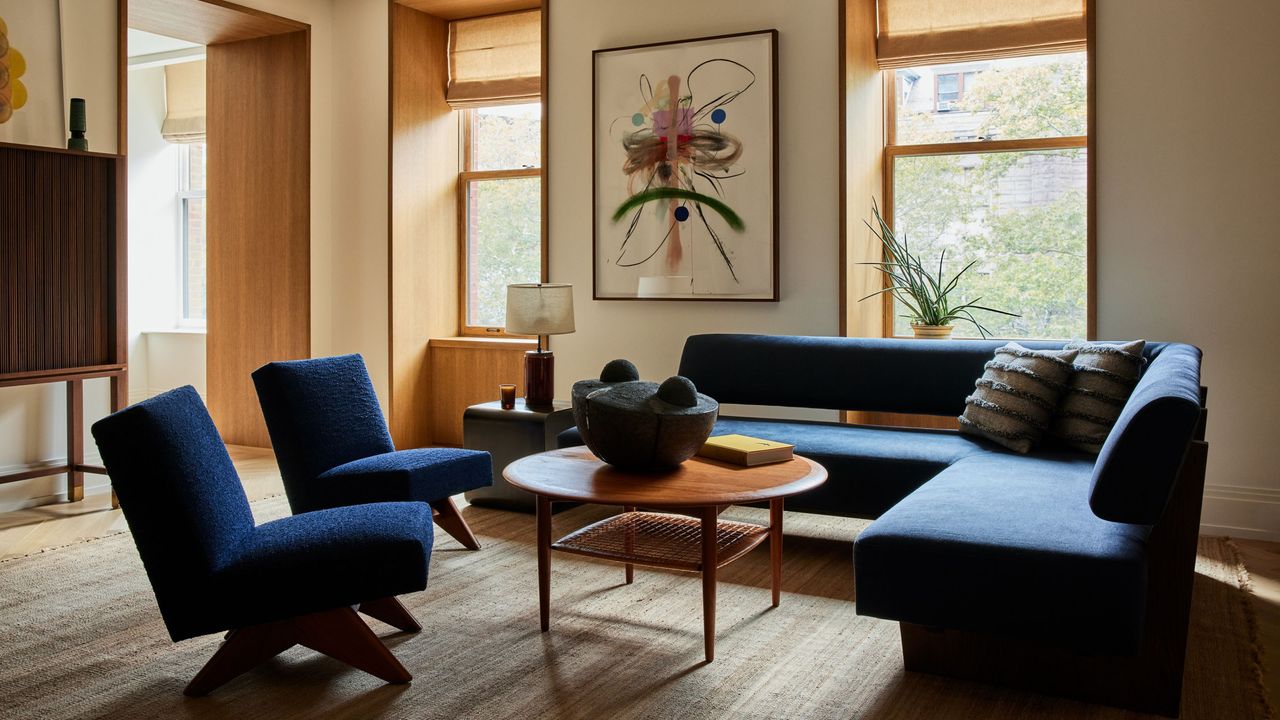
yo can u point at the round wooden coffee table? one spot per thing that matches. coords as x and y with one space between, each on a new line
662 539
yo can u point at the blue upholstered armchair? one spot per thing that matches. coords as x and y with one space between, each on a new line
295 581
334 449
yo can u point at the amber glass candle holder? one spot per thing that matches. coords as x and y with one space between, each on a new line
508 396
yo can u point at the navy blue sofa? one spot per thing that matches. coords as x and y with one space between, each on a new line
1056 570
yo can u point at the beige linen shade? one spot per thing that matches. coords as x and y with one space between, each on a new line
930 32
495 59
540 309
184 102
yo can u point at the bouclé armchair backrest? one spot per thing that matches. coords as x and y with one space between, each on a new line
320 414
179 492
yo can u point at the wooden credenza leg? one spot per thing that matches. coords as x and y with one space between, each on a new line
119 401
75 440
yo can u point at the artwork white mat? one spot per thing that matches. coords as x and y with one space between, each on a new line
34 30
735 75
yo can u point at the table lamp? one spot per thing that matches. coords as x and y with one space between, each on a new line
539 309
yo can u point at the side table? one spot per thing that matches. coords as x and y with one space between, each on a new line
509 435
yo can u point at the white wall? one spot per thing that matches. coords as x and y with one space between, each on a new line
1189 219
153 224
650 333
89 67
358 276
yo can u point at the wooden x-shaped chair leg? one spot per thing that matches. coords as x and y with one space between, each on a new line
338 633
445 514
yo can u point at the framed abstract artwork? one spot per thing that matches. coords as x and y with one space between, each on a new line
31 74
685 169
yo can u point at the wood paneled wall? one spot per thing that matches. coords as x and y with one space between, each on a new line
466 372
862 174
423 251
434 375
207 22
259 198
455 9
59 235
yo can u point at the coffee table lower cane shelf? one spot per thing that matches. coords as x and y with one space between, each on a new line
700 544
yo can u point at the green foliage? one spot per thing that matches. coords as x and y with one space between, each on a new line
927 297
505 234
1029 101
506 245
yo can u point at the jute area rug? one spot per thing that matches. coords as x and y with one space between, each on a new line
80 637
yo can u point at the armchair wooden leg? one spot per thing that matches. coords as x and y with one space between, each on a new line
392 612
243 649
340 634
445 514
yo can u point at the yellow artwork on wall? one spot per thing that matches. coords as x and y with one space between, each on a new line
13 94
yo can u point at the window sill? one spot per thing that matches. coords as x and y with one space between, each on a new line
176 331
484 343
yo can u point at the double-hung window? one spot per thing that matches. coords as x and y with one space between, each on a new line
986 157
192 235
500 189
495 70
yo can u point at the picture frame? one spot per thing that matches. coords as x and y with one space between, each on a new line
689 215
31 74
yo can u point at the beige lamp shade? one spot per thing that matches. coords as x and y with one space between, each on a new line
540 309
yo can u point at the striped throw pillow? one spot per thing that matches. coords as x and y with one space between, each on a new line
1014 400
1105 375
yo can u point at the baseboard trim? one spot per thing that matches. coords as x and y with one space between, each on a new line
1244 512
11 493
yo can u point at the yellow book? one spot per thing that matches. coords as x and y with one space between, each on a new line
746 450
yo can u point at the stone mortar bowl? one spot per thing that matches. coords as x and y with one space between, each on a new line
642 426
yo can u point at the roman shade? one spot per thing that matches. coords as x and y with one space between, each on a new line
184 102
930 32
495 59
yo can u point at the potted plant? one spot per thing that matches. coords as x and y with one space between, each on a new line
922 291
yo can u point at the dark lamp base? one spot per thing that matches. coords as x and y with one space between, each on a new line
539 378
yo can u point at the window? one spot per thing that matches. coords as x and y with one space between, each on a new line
947 91
993 169
191 254
500 190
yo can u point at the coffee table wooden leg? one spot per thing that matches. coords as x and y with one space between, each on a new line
775 547
544 562
709 561
630 546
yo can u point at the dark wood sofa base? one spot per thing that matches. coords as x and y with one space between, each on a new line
1137 683
1149 682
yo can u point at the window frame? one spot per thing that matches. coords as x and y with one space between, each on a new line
185 196
893 151
466 176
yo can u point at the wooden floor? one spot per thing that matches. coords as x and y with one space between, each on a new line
23 532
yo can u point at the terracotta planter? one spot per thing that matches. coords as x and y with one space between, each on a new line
935 332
